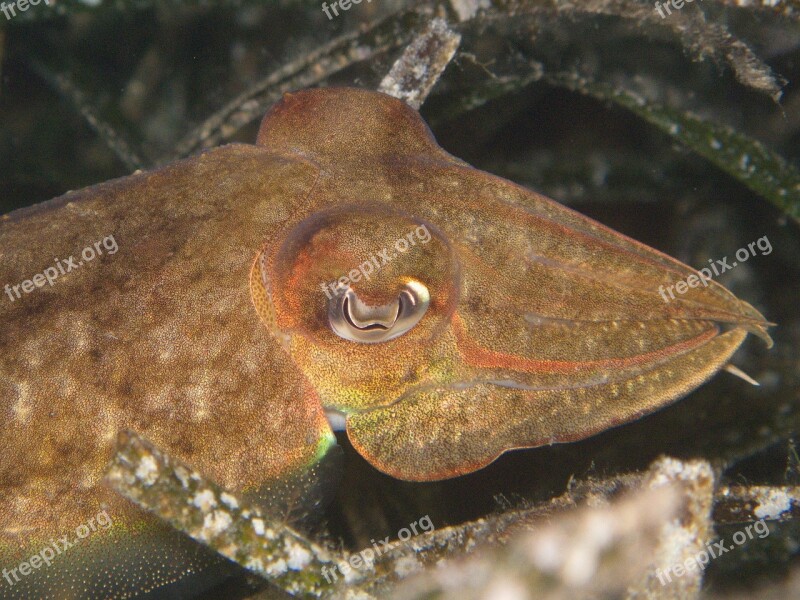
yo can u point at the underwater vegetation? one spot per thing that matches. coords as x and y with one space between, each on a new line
312 353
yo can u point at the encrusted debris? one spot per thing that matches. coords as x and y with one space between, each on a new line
415 73
217 518
743 504
627 536
612 549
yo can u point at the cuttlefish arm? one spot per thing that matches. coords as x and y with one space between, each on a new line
540 325
158 336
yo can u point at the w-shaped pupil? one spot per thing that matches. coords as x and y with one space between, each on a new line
353 320
367 318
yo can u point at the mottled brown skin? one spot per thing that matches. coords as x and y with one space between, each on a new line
160 338
544 326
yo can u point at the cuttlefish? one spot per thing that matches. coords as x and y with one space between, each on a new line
344 271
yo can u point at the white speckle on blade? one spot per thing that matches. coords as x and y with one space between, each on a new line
215 523
147 471
775 503
406 565
258 526
204 500
277 568
299 557
229 500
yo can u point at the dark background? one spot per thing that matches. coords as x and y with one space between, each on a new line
75 76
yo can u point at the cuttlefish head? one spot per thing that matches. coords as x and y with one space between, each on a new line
445 315
359 296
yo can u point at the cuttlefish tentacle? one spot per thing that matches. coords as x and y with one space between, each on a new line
544 326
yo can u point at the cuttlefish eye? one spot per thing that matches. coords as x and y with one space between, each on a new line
354 320
344 280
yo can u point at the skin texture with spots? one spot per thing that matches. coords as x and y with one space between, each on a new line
208 334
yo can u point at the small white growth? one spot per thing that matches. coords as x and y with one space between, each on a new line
506 589
715 144
466 9
744 162
258 526
299 557
581 564
670 470
216 523
358 595
600 529
229 500
277 568
183 476
406 565
776 502
574 560
351 575
255 564
204 500
547 552
676 541
147 471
